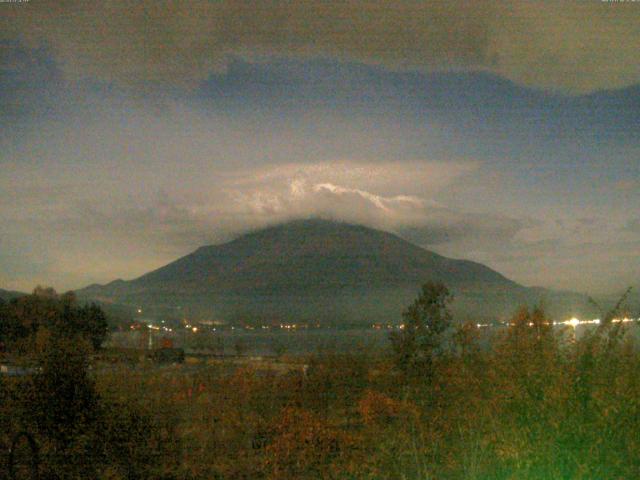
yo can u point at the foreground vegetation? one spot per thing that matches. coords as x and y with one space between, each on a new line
530 402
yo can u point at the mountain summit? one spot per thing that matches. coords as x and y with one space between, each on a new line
315 271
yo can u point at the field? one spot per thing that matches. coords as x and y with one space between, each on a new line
532 402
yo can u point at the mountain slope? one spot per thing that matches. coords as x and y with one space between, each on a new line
314 270
7 295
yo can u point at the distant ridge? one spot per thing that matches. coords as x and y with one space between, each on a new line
7 295
320 271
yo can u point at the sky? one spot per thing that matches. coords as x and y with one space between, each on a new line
132 133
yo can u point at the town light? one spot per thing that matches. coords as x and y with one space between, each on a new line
574 322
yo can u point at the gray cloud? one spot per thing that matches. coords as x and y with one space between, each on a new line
571 46
473 229
633 226
593 267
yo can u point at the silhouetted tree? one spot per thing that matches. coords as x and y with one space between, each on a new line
63 398
240 347
93 324
422 337
22 318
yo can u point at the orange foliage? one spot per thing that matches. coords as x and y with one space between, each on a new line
375 408
303 445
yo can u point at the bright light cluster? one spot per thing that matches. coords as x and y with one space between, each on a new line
574 322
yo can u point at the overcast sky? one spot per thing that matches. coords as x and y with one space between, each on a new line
508 133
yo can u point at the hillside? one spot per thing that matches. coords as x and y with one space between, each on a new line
7 295
318 271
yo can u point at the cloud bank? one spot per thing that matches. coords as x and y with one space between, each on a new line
565 46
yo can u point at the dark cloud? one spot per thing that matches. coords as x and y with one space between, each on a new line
574 46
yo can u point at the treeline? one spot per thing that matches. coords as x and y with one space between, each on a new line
29 319
443 402
50 340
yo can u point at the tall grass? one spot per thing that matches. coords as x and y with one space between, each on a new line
529 402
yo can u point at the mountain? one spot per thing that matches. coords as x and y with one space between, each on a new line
319 271
7 295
